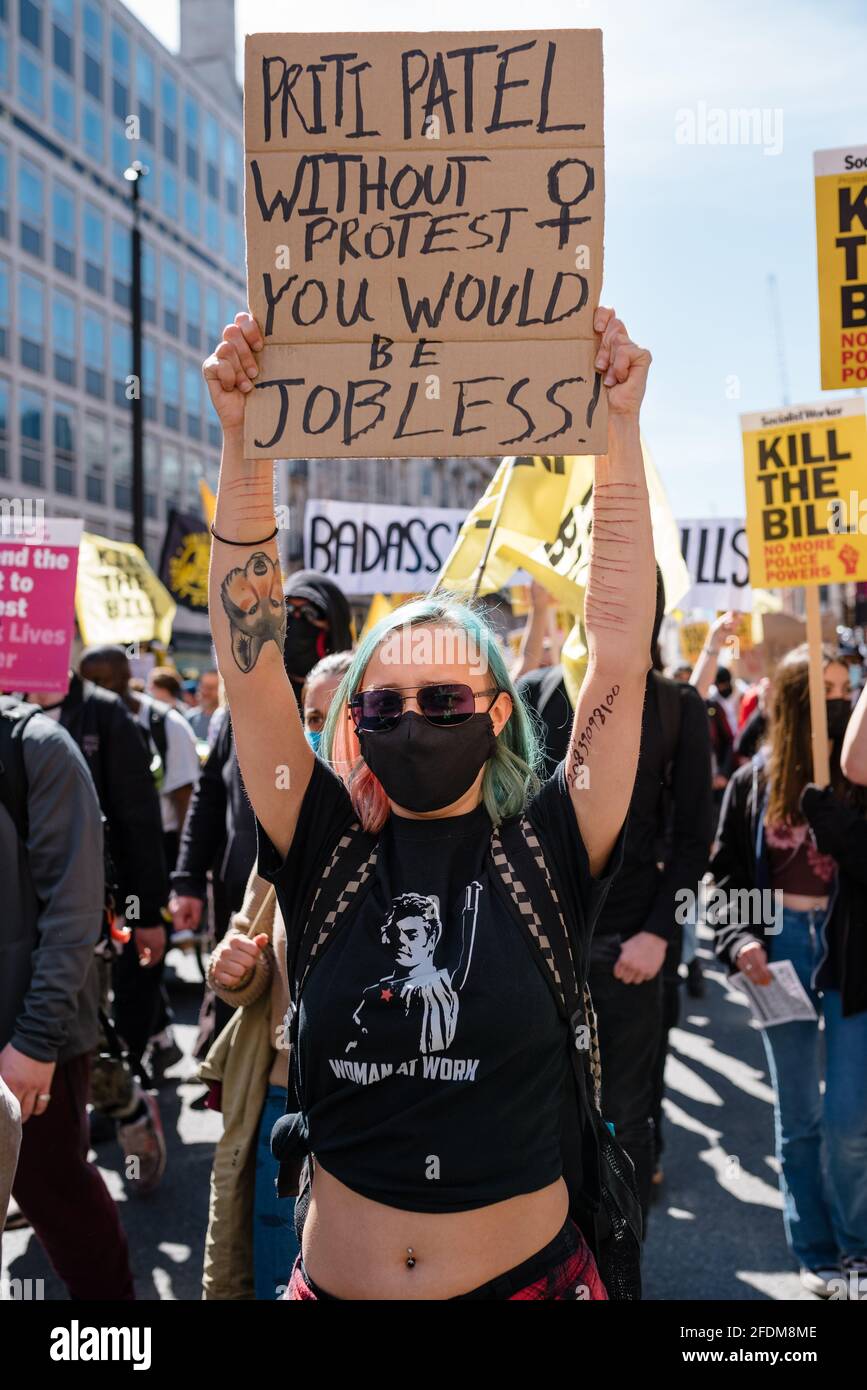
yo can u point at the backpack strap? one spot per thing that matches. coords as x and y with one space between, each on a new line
520 861
157 730
525 880
346 877
346 874
574 977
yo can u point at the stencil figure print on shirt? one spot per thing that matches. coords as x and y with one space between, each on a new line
427 993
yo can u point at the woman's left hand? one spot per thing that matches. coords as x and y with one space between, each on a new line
623 363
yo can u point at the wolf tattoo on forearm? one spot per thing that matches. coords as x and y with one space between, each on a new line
253 601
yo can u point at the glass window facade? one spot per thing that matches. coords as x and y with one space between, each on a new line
94 132
31 424
94 248
94 458
149 379
171 296
4 428
30 81
149 282
4 190
63 107
121 362
93 335
193 309
5 307
30 22
31 322
171 390
121 264
63 227
64 433
31 202
193 399
63 338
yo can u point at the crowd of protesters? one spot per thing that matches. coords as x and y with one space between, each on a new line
133 821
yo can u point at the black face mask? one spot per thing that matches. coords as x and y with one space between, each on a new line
839 712
304 645
423 768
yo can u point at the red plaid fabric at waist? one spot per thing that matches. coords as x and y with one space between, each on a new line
564 1271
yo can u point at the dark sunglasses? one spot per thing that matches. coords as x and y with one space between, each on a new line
303 610
374 711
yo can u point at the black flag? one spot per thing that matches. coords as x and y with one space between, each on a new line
184 560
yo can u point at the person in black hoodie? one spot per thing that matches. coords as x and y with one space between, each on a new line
219 832
804 848
636 947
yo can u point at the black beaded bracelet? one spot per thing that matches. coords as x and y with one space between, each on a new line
264 541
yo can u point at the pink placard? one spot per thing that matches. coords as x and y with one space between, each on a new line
38 566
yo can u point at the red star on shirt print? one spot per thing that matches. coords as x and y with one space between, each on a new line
387 995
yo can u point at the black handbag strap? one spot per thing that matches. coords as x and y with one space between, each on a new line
346 875
520 861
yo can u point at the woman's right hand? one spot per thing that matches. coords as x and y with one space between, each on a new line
237 960
720 630
231 369
752 961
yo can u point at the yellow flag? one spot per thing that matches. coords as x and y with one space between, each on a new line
543 507
525 498
573 659
209 501
118 598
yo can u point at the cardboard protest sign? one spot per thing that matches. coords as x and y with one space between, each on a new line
118 598
424 220
804 471
841 253
368 548
715 553
37 591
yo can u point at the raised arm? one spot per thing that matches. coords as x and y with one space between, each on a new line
707 665
245 600
541 623
853 756
619 607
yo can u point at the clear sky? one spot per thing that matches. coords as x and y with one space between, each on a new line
693 231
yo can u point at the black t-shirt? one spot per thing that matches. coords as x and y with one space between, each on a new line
431 1052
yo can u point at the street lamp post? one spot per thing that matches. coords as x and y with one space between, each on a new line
134 174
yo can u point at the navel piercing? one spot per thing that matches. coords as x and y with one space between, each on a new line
410 1258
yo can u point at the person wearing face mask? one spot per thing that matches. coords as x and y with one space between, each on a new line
250 1243
778 830
318 621
431 1056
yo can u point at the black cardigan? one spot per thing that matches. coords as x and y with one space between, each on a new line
840 831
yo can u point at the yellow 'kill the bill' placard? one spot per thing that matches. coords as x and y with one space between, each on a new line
805 474
841 252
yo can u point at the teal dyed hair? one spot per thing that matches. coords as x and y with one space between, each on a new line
511 775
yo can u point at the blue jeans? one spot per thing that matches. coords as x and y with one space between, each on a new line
821 1140
275 1246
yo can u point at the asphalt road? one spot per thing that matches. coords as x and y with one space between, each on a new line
716 1231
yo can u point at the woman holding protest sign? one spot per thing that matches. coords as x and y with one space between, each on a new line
808 846
438 902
